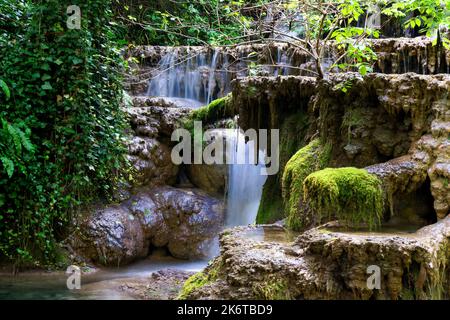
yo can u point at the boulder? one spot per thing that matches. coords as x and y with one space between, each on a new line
211 178
185 221
152 162
110 236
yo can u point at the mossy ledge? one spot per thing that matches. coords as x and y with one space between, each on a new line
351 195
216 110
272 288
310 158
200 279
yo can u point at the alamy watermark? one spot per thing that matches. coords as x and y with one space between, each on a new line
74 19
74 280
374 280
227 146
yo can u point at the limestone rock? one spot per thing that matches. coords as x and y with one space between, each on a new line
111 236
211 178
330 263
152 162
186 221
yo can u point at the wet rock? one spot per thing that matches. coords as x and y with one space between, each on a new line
185 221
211 178
161 285
152 162
331 263
160 117
396 125
193 219
110 236
153 122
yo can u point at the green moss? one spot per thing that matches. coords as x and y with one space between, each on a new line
272 289
353 118
292 132
438 287
198 280
217 109
311 158
349 194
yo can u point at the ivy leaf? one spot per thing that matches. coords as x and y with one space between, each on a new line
77 60
8 164
5 89
47 86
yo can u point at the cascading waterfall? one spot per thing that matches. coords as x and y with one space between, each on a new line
212 77
245 181
282 62
190 77
204 78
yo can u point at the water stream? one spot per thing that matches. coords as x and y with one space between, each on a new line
99 285
245 181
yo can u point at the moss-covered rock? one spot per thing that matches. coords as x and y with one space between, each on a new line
311 158
200 279
196 281
292 136
272 288
349 194
216 110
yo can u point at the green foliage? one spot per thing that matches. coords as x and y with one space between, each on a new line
272 289
349 194
430 16
216 110
310 158
203 22
61 141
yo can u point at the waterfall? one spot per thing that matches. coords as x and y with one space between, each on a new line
282 63
245 181
212 76
188 76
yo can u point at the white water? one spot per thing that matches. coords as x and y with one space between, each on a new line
203 78
245 181
190 76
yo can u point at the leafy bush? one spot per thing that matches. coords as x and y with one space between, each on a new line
61 141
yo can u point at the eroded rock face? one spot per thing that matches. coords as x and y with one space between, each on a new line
153 121
325 263
183 220
111 236
211 178
397 126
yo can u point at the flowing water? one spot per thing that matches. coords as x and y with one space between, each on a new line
99 285
193 76
203 76
245 181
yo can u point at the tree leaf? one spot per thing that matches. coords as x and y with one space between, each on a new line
8 164
5 89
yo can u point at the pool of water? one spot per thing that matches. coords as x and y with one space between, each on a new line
270 233
383 231
98 285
